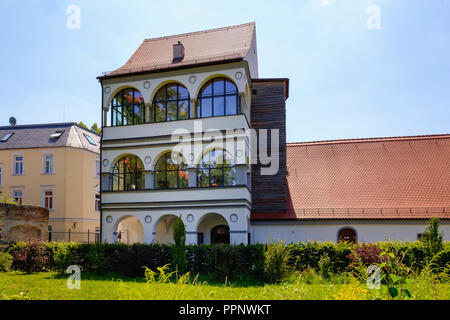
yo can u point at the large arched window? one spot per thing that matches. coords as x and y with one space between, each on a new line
347 235
128 174
127 107
218 97
171 102
171 172
216 169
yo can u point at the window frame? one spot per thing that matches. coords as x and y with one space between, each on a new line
166 101
222 167
14 166
52 198
212 96
13 195
97 169
44 163
1 174
136 177
164 158
115 108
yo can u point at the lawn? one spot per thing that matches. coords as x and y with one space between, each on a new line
53 286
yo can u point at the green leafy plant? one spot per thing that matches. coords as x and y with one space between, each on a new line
432 238
395 274
325 266
179 251
276 268
6 261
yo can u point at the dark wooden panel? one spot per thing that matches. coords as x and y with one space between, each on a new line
269 193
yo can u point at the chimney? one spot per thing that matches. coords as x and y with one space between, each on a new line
178 52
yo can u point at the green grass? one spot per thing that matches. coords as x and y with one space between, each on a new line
50 285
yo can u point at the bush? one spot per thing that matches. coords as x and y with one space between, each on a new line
6 261
276 267
30 257
432 238
325 266
179 253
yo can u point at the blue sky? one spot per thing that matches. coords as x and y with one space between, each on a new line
346 81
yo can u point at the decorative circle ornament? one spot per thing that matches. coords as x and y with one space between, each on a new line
192 79
148 159
148 219
147 85
105 162
190 218
234 218
107 89
109 219
238 75
240 153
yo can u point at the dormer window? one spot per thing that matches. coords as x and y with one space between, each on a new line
7 136
56 135
89 139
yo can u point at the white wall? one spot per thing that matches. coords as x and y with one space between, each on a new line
367 231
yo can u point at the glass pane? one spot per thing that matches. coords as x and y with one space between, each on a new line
172 179
203 178
219 106
183 110
138 98
171 110
172 92
206 107
161 165
230 87
160 180
229 176
160 112
231 105
183 177
207 91
183 93
216 177
219 87
161 95
128 96
138 114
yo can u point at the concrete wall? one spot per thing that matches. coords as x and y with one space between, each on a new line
367 231
21 223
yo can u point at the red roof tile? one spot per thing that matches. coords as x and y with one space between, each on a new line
379 178
208 46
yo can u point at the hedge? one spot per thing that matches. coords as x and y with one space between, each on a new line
219 261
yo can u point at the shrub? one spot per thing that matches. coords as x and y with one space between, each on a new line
432 238
325 266
276 267
179 253
30 257
6 261
62 257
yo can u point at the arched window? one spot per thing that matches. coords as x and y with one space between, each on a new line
171 172
218 97
171 102
347 235
216 169
128 174
127 107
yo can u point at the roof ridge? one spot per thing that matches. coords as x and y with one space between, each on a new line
200 31
56 124
374 139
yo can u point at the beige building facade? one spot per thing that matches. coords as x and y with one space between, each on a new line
54 166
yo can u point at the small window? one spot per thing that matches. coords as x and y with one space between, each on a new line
48 163
7 136
97 202
97 168
89 139
18 196
419 236
1 175
48 199
56 135
18 165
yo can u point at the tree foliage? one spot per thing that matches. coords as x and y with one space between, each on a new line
432 238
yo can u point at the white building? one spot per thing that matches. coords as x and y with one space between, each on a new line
182 120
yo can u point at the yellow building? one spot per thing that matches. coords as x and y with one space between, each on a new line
55 166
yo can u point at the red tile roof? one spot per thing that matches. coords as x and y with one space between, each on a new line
201 47
379 178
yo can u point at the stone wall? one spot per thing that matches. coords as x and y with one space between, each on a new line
21 223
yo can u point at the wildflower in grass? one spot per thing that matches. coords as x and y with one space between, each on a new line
353 291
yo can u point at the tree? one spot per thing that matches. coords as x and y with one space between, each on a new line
81 124
179 253
96 129
432 238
